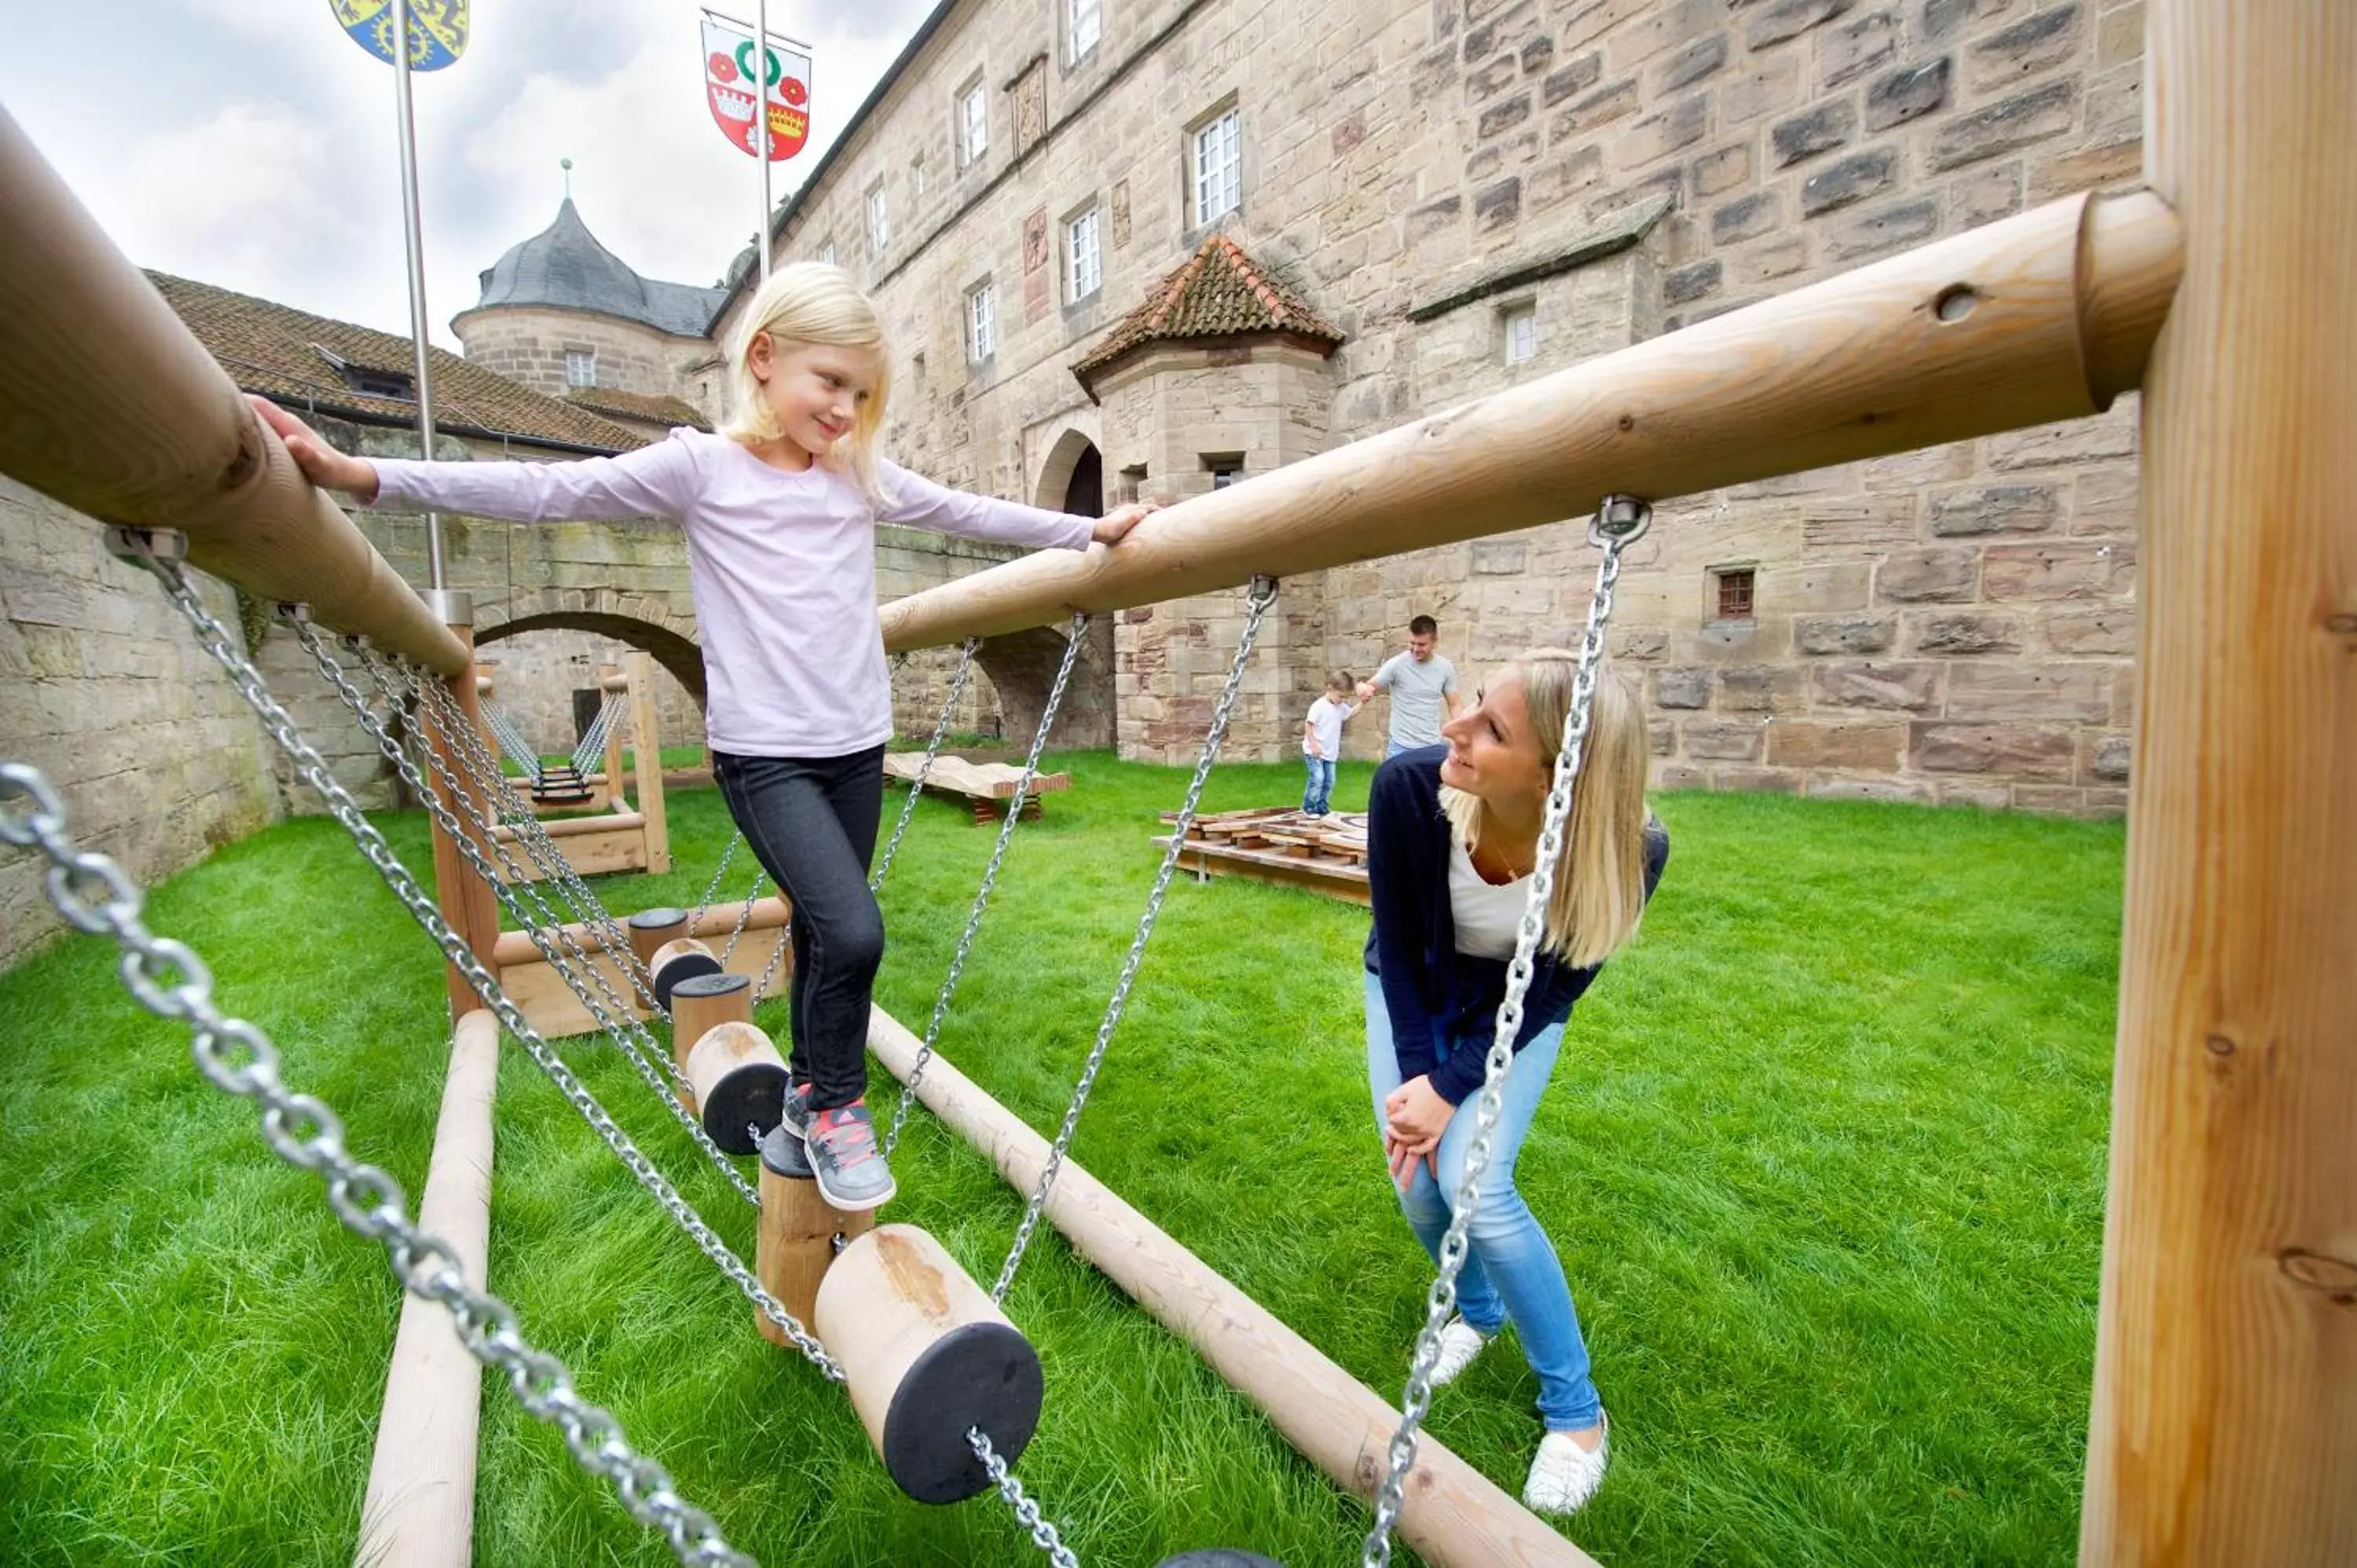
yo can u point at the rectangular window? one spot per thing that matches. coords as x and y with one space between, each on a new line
1219 166
828 255
1083 266
981 324
973 125
879 226
580 367
1735 593
917 174
1522 323
1225 468
1083 21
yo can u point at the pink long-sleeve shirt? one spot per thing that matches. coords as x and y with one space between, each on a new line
782 566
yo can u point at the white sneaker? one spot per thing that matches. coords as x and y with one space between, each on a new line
1460 1343
1565 1476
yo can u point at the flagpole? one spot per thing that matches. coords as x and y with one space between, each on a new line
761 120
414 234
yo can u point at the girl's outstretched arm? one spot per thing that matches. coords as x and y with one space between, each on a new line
918 502
653 481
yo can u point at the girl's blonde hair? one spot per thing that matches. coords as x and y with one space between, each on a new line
1599 886
811 302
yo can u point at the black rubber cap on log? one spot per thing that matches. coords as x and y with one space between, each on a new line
655 920
679 967
980 1374
752 1095
718 984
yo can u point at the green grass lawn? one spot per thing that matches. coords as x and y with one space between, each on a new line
1825 1160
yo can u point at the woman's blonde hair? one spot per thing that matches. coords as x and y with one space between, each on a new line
1599 886
811 302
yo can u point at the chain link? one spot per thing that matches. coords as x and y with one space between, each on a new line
712 888
1630 520
744 915
1262 594
1026 1513
314 771
170 981
549 935
932 749
989 879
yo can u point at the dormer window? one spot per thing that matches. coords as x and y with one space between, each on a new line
371 380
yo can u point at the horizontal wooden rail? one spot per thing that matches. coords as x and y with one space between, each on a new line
1455 1515
516 947
2042 316
109 404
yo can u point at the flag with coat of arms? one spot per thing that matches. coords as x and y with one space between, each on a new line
437 29
729 77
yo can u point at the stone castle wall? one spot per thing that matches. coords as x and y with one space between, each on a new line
1954 625
528 344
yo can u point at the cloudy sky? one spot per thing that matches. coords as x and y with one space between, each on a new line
250 144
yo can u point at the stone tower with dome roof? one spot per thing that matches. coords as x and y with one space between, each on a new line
563 315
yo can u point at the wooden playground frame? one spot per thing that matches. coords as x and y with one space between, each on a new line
608 833
2224 1425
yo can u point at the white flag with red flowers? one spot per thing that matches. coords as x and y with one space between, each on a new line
730 71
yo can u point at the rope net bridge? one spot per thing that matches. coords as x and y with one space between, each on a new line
2047 316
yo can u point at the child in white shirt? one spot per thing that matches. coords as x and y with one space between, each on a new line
1321 741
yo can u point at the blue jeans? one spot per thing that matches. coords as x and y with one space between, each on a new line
1318 795
1511 1269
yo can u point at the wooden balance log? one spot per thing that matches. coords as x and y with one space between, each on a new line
682 959
739 1081
650 930
799 1230
926 1357
700 1002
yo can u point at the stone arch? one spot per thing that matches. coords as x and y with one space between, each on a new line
1072 453
602 614
671 648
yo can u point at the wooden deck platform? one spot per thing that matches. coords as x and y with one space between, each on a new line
985 786
1279 844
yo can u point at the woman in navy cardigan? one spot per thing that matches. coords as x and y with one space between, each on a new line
1452 839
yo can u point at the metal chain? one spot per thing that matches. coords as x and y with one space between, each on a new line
531 833
713 887
1619 522
314 771
555 943
932 749
777 957
989 879
593 739
1262 594
168 977
1026 1513
744 915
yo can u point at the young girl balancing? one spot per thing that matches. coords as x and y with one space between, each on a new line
1452 841
780 510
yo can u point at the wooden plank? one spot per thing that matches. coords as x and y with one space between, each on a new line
1336 879
647 753
2224 1419
979 780
554 1010
1454 1516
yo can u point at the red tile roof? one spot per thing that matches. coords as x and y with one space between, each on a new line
277 350
1219 292
657 408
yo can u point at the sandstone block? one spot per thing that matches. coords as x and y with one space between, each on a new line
1898 686
1885 230
1712 741
2055 571
1925 575
2040 42
1842 634
1852 178
1907 93
1904 791
1744 217
1781 19
2014 750
2018 121
1968 633
2051 690
1757 780
2091 629
1819 129
1762 689
1867 747
1995 509
1685 687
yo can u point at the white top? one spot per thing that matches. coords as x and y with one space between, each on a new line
1417 687
782 566
1326 716
1486 917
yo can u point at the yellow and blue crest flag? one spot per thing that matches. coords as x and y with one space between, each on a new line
437 29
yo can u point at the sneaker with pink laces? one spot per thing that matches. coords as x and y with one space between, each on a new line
850 1168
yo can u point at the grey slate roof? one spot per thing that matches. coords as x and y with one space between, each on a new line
564 265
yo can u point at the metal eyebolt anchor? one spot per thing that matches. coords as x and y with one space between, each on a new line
126 542
1622 518
295 612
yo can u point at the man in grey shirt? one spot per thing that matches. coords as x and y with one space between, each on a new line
1423 686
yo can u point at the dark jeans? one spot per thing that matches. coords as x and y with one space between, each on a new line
811 821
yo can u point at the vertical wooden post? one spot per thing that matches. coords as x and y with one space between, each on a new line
646 745
2224 1425
467 900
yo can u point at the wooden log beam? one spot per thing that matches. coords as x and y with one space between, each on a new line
109 404
419 1510
1454 1516
2042 316
646 752
2224 1425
